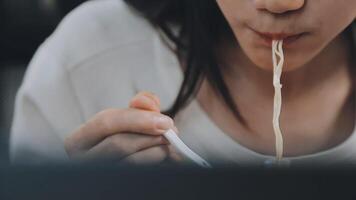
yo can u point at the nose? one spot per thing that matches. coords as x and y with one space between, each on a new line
279 6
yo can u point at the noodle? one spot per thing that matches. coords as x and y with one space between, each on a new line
278 61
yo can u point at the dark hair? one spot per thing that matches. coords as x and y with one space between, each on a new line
202 26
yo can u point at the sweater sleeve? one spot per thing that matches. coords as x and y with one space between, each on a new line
85 66
46 111
47 107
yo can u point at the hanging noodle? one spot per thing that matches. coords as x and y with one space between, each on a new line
278 61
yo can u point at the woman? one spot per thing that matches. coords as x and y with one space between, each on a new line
209 66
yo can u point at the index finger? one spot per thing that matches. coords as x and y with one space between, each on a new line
115 121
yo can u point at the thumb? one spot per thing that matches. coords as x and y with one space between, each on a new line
147 101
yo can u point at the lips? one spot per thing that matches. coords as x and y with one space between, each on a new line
288 38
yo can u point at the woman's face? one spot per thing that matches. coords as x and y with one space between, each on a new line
306 26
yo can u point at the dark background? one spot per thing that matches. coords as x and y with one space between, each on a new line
24 25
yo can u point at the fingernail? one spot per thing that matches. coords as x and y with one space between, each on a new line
153 98
163 123
143 98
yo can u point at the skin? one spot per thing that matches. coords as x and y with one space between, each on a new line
131 135
317 89
317 110
321 21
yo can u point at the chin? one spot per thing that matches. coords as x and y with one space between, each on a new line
263 60
289 66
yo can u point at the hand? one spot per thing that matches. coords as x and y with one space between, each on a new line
130 136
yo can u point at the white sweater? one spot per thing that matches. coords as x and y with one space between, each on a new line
99 57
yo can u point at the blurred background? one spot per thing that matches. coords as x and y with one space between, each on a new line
24 25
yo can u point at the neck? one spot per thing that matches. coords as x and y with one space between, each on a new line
330 66
316 101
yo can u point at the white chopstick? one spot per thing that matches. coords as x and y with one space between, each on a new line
184 149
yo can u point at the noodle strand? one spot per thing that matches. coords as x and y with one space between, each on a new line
278 61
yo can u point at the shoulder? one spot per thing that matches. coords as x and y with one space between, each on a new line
98 32
99 56
86 48
96 27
